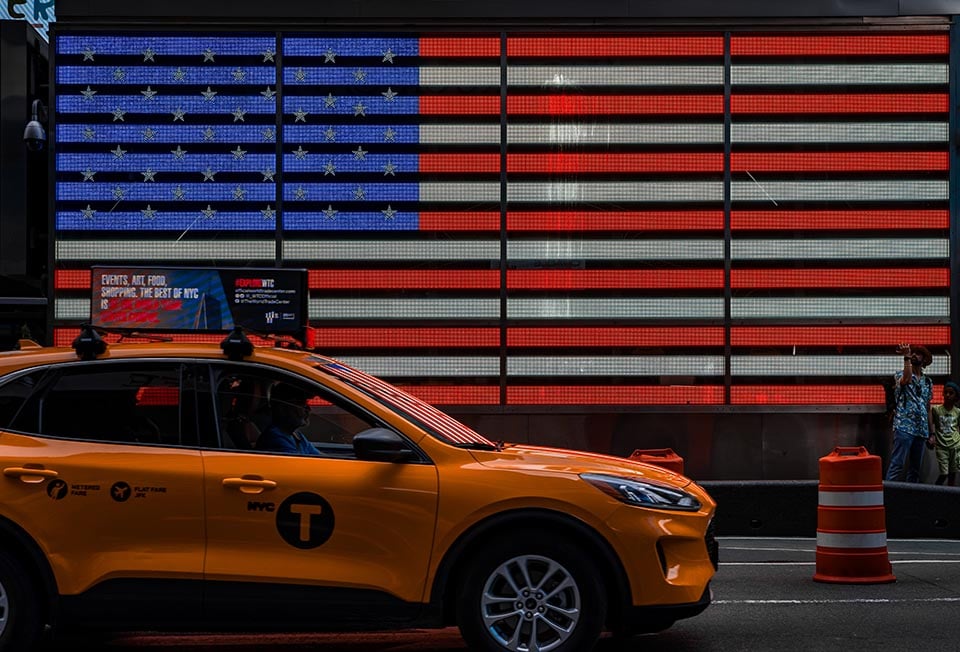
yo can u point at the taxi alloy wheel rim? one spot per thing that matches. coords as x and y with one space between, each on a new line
530 603
4 609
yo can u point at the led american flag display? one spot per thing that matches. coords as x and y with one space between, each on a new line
534 219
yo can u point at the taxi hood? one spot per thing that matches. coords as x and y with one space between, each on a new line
539 459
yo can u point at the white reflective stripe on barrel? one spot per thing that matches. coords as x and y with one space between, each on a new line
851 540
851 498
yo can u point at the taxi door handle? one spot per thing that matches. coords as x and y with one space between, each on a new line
28 474
249 485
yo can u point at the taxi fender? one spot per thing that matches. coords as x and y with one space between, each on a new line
552 515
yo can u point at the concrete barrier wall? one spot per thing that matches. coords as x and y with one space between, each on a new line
789 508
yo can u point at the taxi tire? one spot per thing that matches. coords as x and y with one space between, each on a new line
585 574
23 627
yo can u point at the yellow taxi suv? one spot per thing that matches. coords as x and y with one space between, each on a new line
171 486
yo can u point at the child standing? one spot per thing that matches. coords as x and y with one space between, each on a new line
945 434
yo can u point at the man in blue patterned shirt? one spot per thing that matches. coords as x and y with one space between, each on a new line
913 392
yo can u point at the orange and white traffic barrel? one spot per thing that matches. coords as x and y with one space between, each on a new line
851 521
662 457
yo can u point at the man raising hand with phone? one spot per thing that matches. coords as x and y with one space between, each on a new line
913 392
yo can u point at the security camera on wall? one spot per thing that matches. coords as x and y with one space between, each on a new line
34 135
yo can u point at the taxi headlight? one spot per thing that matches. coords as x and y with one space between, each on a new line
643 493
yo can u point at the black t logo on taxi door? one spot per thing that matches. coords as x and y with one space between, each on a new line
305 520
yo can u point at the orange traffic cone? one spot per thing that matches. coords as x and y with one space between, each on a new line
851 522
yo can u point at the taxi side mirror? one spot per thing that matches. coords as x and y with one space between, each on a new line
382 445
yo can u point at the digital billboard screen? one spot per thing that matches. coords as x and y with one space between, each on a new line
199 299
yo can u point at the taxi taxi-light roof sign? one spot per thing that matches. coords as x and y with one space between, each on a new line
181 299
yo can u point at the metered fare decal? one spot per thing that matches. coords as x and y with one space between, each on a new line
304 520
58 489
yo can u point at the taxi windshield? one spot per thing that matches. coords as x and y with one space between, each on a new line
435 422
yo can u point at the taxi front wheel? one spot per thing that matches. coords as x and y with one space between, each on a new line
531 593
19 608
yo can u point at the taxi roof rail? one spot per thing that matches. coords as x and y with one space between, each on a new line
88 344
236 346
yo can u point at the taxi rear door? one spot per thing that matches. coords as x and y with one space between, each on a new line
97 469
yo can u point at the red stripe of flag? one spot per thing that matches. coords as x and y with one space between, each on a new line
458 162
460 104
644 46
361 337
581 163
783 45
838 103
459 221
812 394
838 335
845 220
616 336
839 278
71 279
839 161
615 221
402 279
154 396
459 47
613 104
620 279
616 395
65 337
455 395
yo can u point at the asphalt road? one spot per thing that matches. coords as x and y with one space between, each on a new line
764 599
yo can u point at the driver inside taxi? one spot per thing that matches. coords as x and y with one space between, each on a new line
289 411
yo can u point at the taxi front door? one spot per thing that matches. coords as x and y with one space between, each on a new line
318 541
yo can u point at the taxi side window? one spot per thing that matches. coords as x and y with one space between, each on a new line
122 403
13 397
247 408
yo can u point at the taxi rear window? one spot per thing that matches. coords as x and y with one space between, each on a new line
431 419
